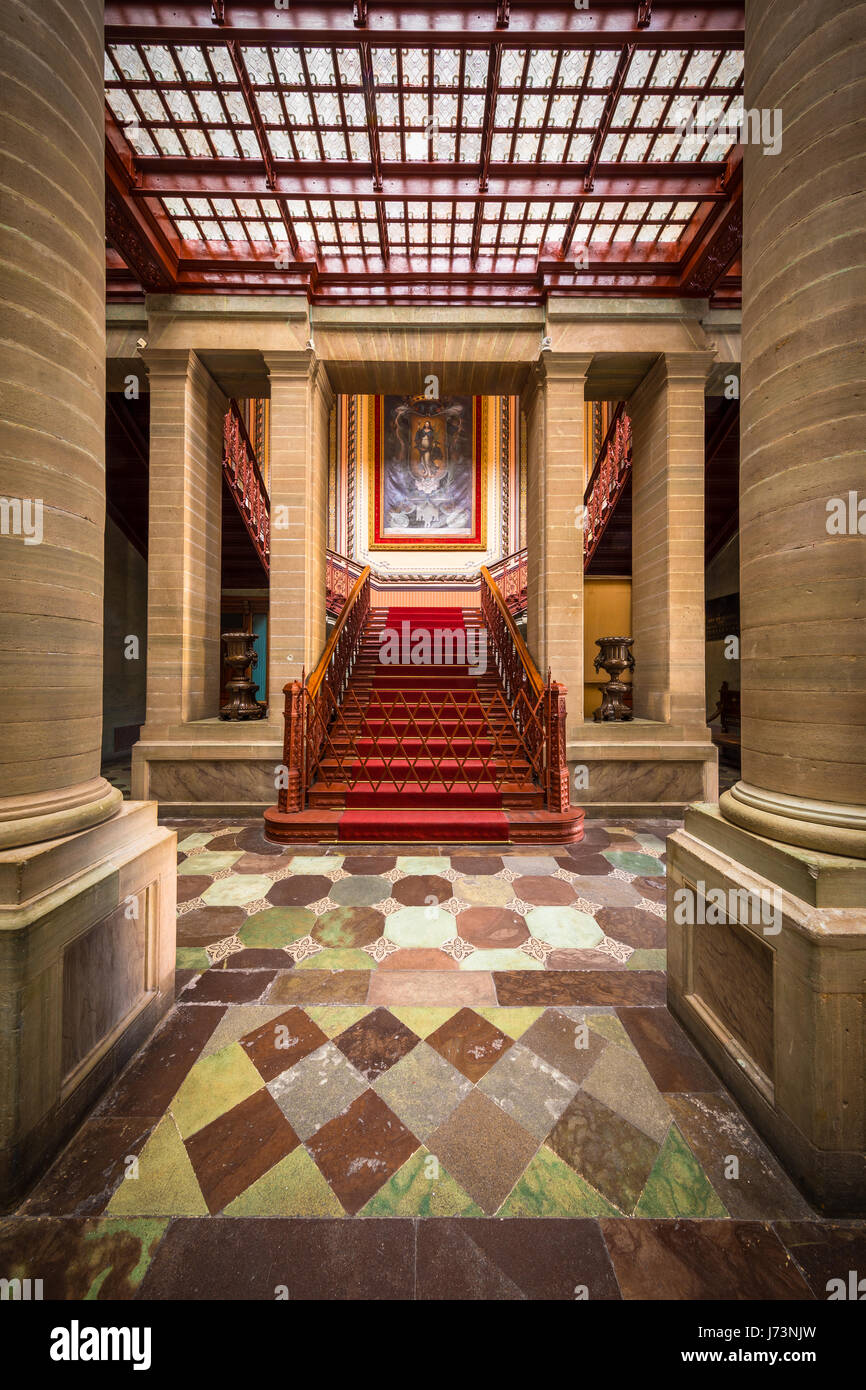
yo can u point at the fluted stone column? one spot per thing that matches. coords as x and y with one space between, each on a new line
553 403
803 587
301 400
52 402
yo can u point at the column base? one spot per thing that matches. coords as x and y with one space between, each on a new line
767 973
87 954
25 820
819 825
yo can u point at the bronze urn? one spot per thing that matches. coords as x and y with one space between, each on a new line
614 657
240 656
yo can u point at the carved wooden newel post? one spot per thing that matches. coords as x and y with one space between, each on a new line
557 764
292 795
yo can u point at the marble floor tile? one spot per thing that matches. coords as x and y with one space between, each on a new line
360 1149
320 987
349 927
217 986
76 1259
376 1042
826 1252
613 1156
431 987
280 1042
213 1085
555 1260
483 1149
470 1043
239 1147
567 1044
673 1063
701 1260
422 1089
417 890
299 890
528 1089
620 1081
316 1088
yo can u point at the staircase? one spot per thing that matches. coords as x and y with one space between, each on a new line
431 750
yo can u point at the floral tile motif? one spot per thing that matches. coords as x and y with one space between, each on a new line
617 949
657 909
381 948
457 948
535 949
219 950
322 906
303 949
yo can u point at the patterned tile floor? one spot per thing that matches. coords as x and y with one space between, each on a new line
475 1037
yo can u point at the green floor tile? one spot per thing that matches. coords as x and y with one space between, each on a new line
549 1187
421 1188
166 1184
678 1185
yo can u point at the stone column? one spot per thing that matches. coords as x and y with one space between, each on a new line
87 880
803 576
301 400
667 415
187 410
553 403
52 458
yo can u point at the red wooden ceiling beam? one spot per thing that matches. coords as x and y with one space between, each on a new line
346 181
604 24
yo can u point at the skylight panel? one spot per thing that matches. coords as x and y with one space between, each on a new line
542 62
349 66
730 69
384 66
193 63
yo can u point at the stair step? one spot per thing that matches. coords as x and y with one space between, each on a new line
461 826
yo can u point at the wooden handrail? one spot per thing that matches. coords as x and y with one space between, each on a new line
532 672
315 680
238 414
605 444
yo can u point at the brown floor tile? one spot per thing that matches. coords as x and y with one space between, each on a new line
544 892
369 863
518 987
715 1130
375 1043
671 1060
251 1258
80 1259
237 1148
634 926
590 864
555 1038
568 958
653 888
300 890
614 1156
418 958
701 1260
431 987
253 839
191 886
482 1149
281 1042
419 890
360 1149
225 840
470 1043
218 986
257 958
825 1251
515 1259
154 1076
81 1181
492 927
205 925
476 863
251 863
320 987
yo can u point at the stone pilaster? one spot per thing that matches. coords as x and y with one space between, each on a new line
553 403
667 415
301 400
187 409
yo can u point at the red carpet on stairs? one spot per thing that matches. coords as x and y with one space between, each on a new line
423 748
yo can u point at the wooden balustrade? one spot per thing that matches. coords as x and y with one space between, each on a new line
606 483
246 483
340 575
509 575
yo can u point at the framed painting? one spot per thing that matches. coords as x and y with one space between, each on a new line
428 489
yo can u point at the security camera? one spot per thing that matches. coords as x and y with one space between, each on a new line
310 344
141 343
546 344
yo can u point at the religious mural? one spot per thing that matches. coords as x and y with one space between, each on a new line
428 487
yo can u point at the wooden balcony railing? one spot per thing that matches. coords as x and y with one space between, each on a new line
246 483
606 483
509 575
536 709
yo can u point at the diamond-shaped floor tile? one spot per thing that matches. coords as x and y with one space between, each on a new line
281 1042
620 1081
678 1185
422 1089
550 1188
528 1089
235 1150
360 1149
212 1086
421 1188
613 1156
293 1187
376 1042
470 1043
483 1149
566 1043
163 1182
316 1088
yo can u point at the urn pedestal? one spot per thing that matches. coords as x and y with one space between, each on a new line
614 657
240 657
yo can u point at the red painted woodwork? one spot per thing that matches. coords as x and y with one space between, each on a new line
607 482
247 486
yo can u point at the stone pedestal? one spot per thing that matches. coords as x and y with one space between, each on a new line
774 992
